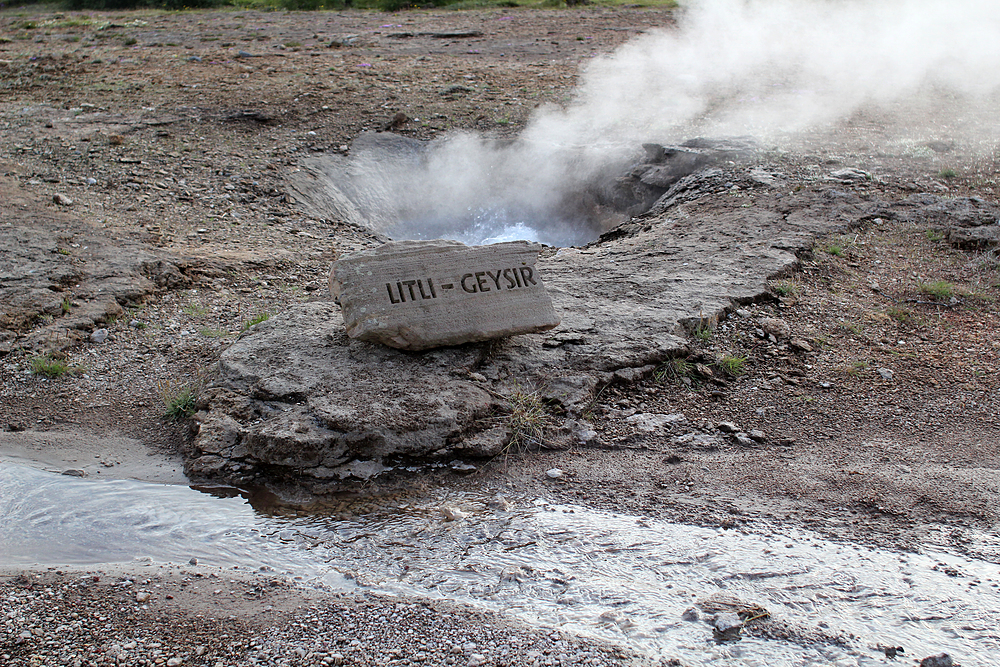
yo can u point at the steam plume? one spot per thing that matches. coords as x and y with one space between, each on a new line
768 69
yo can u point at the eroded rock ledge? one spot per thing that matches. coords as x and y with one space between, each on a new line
295 398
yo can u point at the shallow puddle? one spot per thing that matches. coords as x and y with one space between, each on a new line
620 577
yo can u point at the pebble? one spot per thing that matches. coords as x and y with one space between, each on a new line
728 427
99 336
939 660
62 200
727 624
554 473
885 373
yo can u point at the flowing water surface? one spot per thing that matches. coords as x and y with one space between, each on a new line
625 578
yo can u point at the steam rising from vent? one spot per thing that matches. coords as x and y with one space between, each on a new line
922 70
771 67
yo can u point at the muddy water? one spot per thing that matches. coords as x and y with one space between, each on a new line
620 577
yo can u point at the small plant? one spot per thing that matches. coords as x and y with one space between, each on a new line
195 310
256 319
948 172
835 249
939 289
526 419
52 367
853 327
934 235
131 41
784 288
66 305
855 368
213 333
901 315
703 332
179 399
674 369
732 365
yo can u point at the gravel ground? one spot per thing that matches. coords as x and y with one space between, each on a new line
146 615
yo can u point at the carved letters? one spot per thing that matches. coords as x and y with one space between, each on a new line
420 294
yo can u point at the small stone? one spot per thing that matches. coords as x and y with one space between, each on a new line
850 174
743 440
142 596
728 427
885 373
62 200
194 59
757 435
939 660
743 312
175 662
554 473
193 561
775 327
800 344
452 513
462 467
74 472
99 336
728 624
690 615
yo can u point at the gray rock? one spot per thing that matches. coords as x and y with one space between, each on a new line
75 472
800 344
62 200
850 174
99 336
303 396
776 327
652 422
416 295
728 427
554 473
885 373
743 440
727 624
757 435
939 660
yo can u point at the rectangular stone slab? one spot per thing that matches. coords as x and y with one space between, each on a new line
415 295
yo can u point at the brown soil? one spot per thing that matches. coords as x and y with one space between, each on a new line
879 425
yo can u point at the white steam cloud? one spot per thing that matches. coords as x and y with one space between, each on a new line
910 70
769 67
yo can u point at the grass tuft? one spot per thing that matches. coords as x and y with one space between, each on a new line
256 319
901 315
52 367
526 419
674 370
939 289
179 398
732 365
784 287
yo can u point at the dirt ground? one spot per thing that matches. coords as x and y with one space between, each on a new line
156 137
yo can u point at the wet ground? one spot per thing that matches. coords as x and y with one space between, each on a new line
647 583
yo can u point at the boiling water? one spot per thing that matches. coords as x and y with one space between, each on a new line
624 578
485 225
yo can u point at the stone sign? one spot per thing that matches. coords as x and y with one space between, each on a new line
415 295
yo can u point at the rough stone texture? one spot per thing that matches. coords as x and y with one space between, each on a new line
415 295
71 276
295 394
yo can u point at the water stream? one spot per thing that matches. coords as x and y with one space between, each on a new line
625 578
